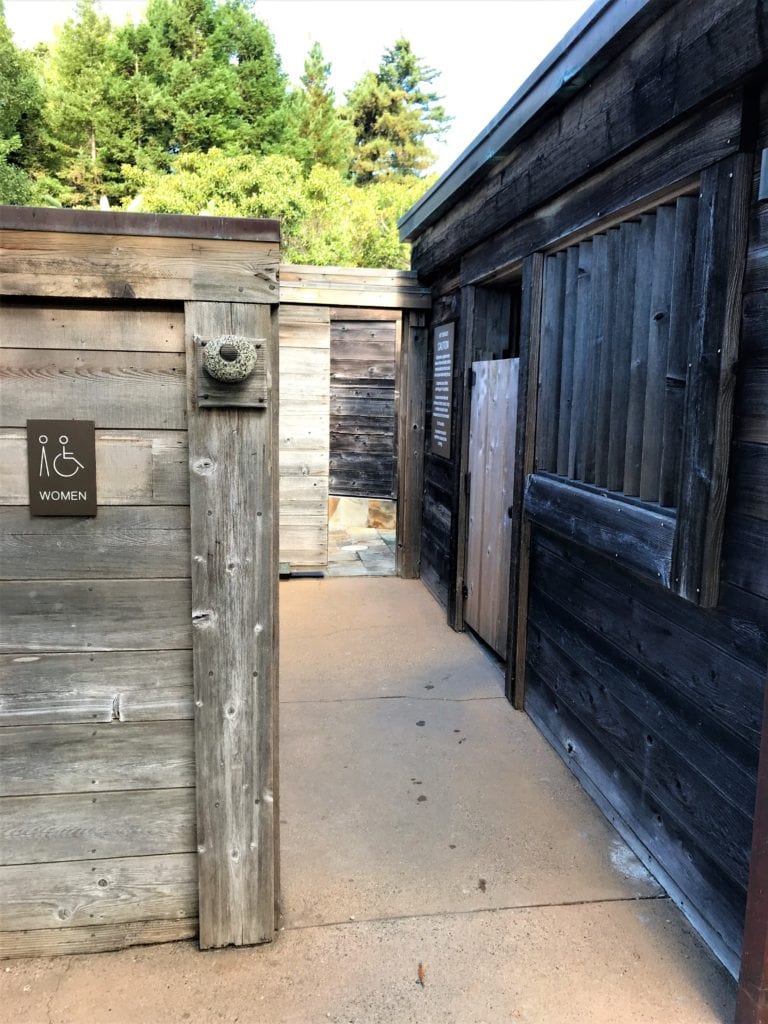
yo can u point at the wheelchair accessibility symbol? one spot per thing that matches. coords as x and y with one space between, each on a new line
65 465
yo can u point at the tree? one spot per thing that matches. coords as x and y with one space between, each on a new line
197 75
20 119
393 113
77 113
324 137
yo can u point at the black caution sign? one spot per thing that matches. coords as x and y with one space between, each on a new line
61 457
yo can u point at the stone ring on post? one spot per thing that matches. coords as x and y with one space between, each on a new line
229 358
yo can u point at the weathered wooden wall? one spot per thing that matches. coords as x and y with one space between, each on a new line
654 702
97 820
138 648
363 406
341 359
305 381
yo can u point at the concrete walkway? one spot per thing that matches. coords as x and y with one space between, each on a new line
424 822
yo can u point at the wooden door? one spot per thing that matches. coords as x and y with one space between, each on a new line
490 465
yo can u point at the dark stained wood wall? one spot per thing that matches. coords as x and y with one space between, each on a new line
363 412
655 703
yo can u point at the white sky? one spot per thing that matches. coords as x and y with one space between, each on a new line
484 49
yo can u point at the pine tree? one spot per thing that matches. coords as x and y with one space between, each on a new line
323 136
393 113
77 115
20 118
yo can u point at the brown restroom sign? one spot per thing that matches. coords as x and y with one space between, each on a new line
61 456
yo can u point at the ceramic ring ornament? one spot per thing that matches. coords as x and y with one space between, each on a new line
229 358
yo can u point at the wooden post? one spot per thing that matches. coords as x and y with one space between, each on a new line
413 377
530 334
233 506
718 274
752 1002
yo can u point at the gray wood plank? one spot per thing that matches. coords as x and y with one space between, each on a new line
95 758
127 543
413 377
566 378
94 938
638 375
233 493
622 354
136 390
677 355
58 326
610 298
598 294
635 537
584 307
658 345
97 615
550 362
76 893
128 686
82 826
721 239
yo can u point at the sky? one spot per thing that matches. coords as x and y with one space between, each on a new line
483 49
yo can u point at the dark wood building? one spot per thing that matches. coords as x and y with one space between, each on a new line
609 229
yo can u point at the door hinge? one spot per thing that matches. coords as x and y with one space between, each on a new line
464 590
467 482
472 378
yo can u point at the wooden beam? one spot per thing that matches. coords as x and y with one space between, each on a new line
233 505
462 383
354 287
631 535
525 449
413 380
752 1000
718 273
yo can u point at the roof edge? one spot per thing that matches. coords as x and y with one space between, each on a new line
164 225
564 71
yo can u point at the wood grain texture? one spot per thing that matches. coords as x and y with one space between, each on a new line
363 372
134 686
50 264
52 325
76 893
550 363
352 286
120 543
568 355
629 234
721 240
633 536
638 369
657 170
677 355
136 390
132 467
658 353
233 500
491 467
581 346
94 938
413 380
525 453
96 615
80 826
610 290
752 999
95 758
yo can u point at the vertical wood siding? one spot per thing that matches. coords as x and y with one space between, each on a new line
97 818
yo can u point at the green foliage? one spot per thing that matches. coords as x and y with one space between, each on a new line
323 136
77 116
393 113
188 111
324 217
20 119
